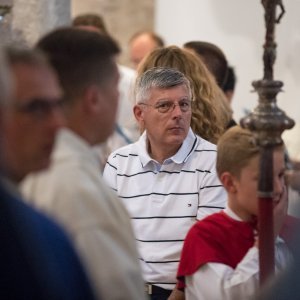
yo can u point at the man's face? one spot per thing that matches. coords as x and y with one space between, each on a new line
165 129
140 47
31 119
247 185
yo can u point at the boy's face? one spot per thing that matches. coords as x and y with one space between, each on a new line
245 204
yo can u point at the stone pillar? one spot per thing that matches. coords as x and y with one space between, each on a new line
5 20
122 17
30 19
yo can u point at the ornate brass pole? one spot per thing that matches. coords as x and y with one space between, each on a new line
267 122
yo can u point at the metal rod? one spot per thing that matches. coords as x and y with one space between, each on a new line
267 122
265 215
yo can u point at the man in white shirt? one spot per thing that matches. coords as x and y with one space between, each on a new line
126 130
167 179
72 190
33 116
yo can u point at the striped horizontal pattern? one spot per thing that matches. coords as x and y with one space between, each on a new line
165 200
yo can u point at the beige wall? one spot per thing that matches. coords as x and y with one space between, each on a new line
30 19
238 28
122 17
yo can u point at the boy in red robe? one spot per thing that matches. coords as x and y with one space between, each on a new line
220 254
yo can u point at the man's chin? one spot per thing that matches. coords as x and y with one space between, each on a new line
176 139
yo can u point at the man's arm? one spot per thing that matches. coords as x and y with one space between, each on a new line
110 173
212 196
176 295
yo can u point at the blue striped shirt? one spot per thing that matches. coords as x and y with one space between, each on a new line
164 200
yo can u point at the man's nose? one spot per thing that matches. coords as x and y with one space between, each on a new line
176 110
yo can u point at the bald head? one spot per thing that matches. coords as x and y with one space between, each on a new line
143 43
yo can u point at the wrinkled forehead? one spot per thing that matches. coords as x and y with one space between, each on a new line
176 92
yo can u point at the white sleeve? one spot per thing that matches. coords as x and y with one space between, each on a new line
110 173
219 281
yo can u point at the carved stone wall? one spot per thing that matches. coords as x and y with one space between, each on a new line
30 19
122 17
5 21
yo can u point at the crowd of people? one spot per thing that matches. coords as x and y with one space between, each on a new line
97 206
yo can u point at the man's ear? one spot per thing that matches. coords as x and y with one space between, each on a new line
229 182
139 116
138 113
91 98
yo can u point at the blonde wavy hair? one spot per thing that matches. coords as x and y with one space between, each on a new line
210 111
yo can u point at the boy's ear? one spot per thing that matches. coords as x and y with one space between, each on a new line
229 182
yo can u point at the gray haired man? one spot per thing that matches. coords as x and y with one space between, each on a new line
167 179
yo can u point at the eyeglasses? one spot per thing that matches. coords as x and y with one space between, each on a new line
40 108
169 106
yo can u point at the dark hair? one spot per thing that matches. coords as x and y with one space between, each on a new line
213 57
91 20
80 58
229 84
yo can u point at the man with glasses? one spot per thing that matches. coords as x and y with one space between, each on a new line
37 259
34 115
167 179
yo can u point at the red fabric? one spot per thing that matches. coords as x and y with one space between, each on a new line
217 238
221 239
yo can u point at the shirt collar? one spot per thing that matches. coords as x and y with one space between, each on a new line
69 143
187 147
228 211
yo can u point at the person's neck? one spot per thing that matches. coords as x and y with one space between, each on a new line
80 124
161 153
238 210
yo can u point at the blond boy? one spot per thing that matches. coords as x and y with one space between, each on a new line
220 253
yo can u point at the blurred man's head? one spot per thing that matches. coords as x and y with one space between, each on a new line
143 43
229 84
213 57
33 115
91 22
86 67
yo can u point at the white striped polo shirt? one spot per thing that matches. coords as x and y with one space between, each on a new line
165 200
